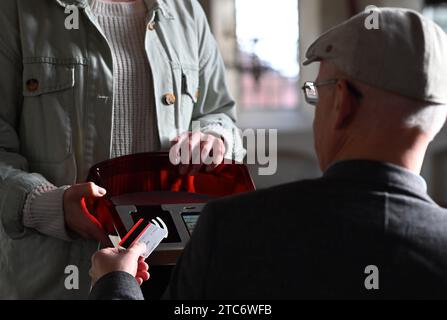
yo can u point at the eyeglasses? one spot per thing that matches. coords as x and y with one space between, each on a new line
310 89
311 92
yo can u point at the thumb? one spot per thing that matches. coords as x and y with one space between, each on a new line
91 189
137 249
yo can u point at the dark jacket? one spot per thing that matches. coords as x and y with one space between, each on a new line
317 238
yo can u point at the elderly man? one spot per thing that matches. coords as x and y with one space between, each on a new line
128 76
367 228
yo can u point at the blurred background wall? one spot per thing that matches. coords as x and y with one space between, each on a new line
263 43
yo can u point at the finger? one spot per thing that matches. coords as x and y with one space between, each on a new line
195 167
178 146
137 249
205 153
86 190
186 153
208 154
139 280
143 266
194 146
143 275
196 159
218 153
95 190
174 151
179 138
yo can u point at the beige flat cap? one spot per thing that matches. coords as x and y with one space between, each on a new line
406 55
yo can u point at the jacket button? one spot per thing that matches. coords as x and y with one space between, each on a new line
32 85
169 99
151 26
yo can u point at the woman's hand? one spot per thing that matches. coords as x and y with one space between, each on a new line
193 150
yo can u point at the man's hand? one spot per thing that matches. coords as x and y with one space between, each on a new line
196 149
112 259
77 216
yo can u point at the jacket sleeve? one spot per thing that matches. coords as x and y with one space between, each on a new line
216 110
116 286
15 182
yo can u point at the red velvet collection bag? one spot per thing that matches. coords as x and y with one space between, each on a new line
151 185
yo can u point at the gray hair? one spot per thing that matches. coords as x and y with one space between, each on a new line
429 118
386 109
393 110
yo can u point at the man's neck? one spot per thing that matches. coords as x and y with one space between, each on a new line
408 151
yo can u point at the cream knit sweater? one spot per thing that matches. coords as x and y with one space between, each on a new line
134 117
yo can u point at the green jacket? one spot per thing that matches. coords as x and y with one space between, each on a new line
56 118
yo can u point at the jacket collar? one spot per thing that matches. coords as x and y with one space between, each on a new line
157 5
374 173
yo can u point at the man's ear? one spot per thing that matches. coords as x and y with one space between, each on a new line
345 105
